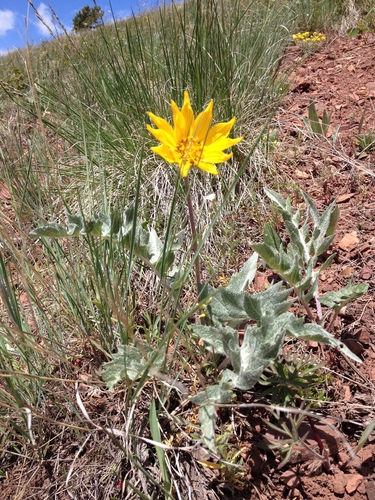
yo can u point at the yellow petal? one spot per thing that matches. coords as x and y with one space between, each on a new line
208 167
223 143
161 123
184 168
163 136
166 153
219 130
202 123
215 156
187 112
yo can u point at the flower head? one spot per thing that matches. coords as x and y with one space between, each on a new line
192 142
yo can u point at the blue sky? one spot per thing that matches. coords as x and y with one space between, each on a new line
16 14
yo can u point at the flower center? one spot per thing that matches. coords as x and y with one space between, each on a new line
190 151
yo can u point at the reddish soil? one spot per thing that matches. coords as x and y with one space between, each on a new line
340 78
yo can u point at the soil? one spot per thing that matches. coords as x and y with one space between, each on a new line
340 78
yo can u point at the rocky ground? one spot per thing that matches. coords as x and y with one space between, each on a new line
340 78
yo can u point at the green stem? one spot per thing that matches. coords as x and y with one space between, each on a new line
194 237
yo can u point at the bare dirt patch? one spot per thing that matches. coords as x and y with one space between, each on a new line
340 78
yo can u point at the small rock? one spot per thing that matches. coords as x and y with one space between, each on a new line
347 271
363 336
301 175
290 479
338 483
295 494
349 241
345 197
370 490
348 394
343 458
353 481
366 273
354 346
366 454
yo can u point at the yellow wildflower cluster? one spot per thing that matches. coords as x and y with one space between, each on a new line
309 37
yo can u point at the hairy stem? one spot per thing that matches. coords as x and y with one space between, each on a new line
194 237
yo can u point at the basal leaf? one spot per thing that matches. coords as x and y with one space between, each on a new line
338 299
271 238
129 363
325 244
313 331
243 278
218 339
260 347
52 230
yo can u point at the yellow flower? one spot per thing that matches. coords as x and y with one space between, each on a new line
192 142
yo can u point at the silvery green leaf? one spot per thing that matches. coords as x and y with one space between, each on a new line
333 221
287 265
312 210
269 303
325 221
275 258
227 307
243 278
296 219
313 331
296 237
338 299
314 287
218 339
149 245
51 230
324 245
76 224
365 435
129 363
213 394
207 399
260 347
179 241
284 204
328 262
175 277
271 238
207 419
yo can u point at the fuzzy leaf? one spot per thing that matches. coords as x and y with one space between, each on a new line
213 395
313 331
260 347
325 244
284 205
117 227
227 307
243 278
340 298
52 230
271 238
207 419
218 339
128 363
365 435
328 262
333 221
